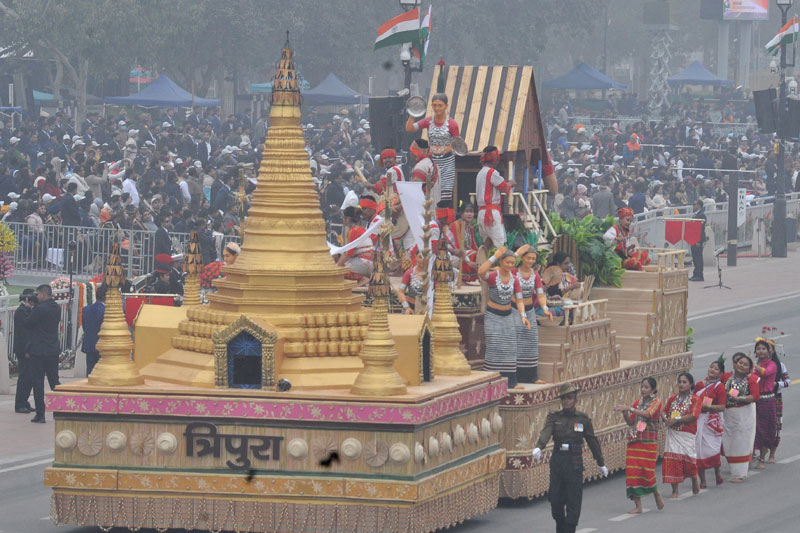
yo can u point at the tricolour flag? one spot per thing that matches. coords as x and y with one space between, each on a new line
786 35
401 29
420 45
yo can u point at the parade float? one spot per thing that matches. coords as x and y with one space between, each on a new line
285 404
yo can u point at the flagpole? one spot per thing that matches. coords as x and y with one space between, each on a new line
779 209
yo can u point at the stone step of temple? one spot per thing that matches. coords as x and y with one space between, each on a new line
321 372
551 352
626 300
633 347
547 371
186 359
190 377
628 323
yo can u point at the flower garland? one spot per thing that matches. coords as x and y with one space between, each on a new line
211 272
60 283
6 267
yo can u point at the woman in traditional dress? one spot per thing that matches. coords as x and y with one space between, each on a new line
766 413
499 324
569 279
528 337
360 260
411 283
740 417
781 382
619 236
462 243
708 440
641 453
680 453
441 131
230 253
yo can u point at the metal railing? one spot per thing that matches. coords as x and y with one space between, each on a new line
45 252
648 227
67 327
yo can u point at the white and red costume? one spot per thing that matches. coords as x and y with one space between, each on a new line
488 186
393 175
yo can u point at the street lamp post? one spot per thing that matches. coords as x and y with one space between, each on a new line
779 209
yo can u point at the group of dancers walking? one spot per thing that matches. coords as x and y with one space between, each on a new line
736 414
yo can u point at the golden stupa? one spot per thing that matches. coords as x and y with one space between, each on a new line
285 279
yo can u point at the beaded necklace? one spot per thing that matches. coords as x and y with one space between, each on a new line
740 384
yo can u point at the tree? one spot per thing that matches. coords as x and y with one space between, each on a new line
76 35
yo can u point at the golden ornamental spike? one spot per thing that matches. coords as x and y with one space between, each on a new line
115 367
378 351
448 359
426 249
192 265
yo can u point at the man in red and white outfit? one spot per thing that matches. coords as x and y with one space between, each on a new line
488 186
426 168
394 173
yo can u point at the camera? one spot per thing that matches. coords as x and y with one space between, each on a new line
29 297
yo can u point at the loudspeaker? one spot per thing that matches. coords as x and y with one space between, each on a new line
711 9
766 116
791 121
387 120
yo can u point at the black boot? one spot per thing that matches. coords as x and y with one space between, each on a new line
528 375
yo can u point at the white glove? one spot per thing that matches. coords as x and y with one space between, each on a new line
604 471
537 453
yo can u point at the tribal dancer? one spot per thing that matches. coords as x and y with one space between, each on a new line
782 381
641 453
528 338
708 440
441 131
766 413
618 235
360 260
680 452
462 244
411 283
488 186
499 323
740 417
394 173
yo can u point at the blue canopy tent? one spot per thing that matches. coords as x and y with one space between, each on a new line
332 91
697 74
583 77
163 92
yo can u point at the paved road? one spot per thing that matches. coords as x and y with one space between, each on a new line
766 502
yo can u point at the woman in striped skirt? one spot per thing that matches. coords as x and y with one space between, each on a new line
641 453
499 324
441 131
528 338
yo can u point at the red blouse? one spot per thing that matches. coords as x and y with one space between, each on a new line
691 407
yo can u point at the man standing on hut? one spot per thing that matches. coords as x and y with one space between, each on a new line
488 186
569 428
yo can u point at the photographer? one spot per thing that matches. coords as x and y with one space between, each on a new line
21 340
43 349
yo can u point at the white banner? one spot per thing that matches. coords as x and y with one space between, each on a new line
373 228
413 200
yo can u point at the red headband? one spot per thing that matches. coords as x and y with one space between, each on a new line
388 152
490 157
625 212
366 203
418 152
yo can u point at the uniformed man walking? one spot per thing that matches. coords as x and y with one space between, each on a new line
568 427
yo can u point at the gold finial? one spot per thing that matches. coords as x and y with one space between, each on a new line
378 351
115 367
448 359
192 265
426 248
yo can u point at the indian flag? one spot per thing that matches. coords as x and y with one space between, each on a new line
420 46
401 29
787 35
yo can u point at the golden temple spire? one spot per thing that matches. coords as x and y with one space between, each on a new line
285 267
378 351
448 359
115 367
192 265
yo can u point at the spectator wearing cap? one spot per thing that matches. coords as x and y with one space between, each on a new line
63 148
166 279
15 159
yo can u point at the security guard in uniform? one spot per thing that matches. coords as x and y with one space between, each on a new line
568 428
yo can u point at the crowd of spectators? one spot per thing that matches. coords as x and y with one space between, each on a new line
687 152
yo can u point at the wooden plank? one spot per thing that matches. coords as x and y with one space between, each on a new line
519 112
491 105
505 106
466 76
475 108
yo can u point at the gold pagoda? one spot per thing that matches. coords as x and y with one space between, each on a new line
285 279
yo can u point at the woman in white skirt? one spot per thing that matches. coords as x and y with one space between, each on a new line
680 417
528 337
739 432
708 441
